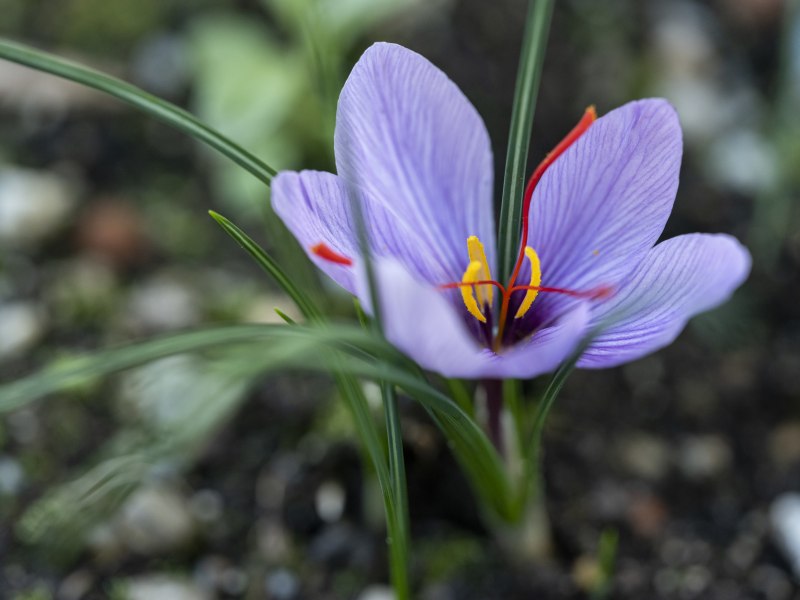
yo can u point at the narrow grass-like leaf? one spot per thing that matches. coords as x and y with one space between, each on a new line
79 370
349 388
399 525
302 348
156 107
303 302
529 75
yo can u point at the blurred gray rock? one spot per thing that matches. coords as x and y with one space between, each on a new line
274 541
33 205
161 65
744 160
704 456
281 584
377 592
155 520
35 92
206 506
644 455
164 587
12 476
163 303
22 325
216 572
784 444
784 516
330 501
76 585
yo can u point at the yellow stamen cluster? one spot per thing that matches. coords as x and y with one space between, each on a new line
477 297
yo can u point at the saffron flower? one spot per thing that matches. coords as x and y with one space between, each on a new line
414 150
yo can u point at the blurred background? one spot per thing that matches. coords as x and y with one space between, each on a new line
194 479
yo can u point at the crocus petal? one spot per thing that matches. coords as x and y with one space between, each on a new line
678 279
409 138
602 205
422 322
315 207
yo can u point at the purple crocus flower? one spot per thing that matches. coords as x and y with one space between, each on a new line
417 153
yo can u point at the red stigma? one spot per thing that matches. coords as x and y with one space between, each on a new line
589 117
325 252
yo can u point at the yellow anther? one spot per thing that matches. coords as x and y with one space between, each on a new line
536 281
468 294
485 293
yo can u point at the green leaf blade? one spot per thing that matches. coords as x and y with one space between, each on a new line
149 104
528 78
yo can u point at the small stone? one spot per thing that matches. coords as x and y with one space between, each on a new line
784 516
24 426
586 573
438 591
208 571
12 476
161 65
155 520
771 582
704 456
206 506
377 592
696 579
743 161
334 545
645 455
784 444
22 325
282 584
76 585
164 303
33 205
330 501
647 515
274 541
163 587
233 581
115 231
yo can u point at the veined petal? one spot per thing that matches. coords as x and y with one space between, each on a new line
423 323
316 208
602 205
409 138
678 279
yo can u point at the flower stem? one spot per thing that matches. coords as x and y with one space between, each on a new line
527 87
399 525
396 503
494 412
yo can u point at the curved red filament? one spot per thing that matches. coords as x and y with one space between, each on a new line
589 117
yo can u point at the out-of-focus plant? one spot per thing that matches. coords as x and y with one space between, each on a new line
276 94
776 207
401 228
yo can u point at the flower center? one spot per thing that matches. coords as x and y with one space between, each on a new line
476 290
477 285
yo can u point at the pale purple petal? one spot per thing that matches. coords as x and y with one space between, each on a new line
602 205
678 279
315 207
408 137
422 322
